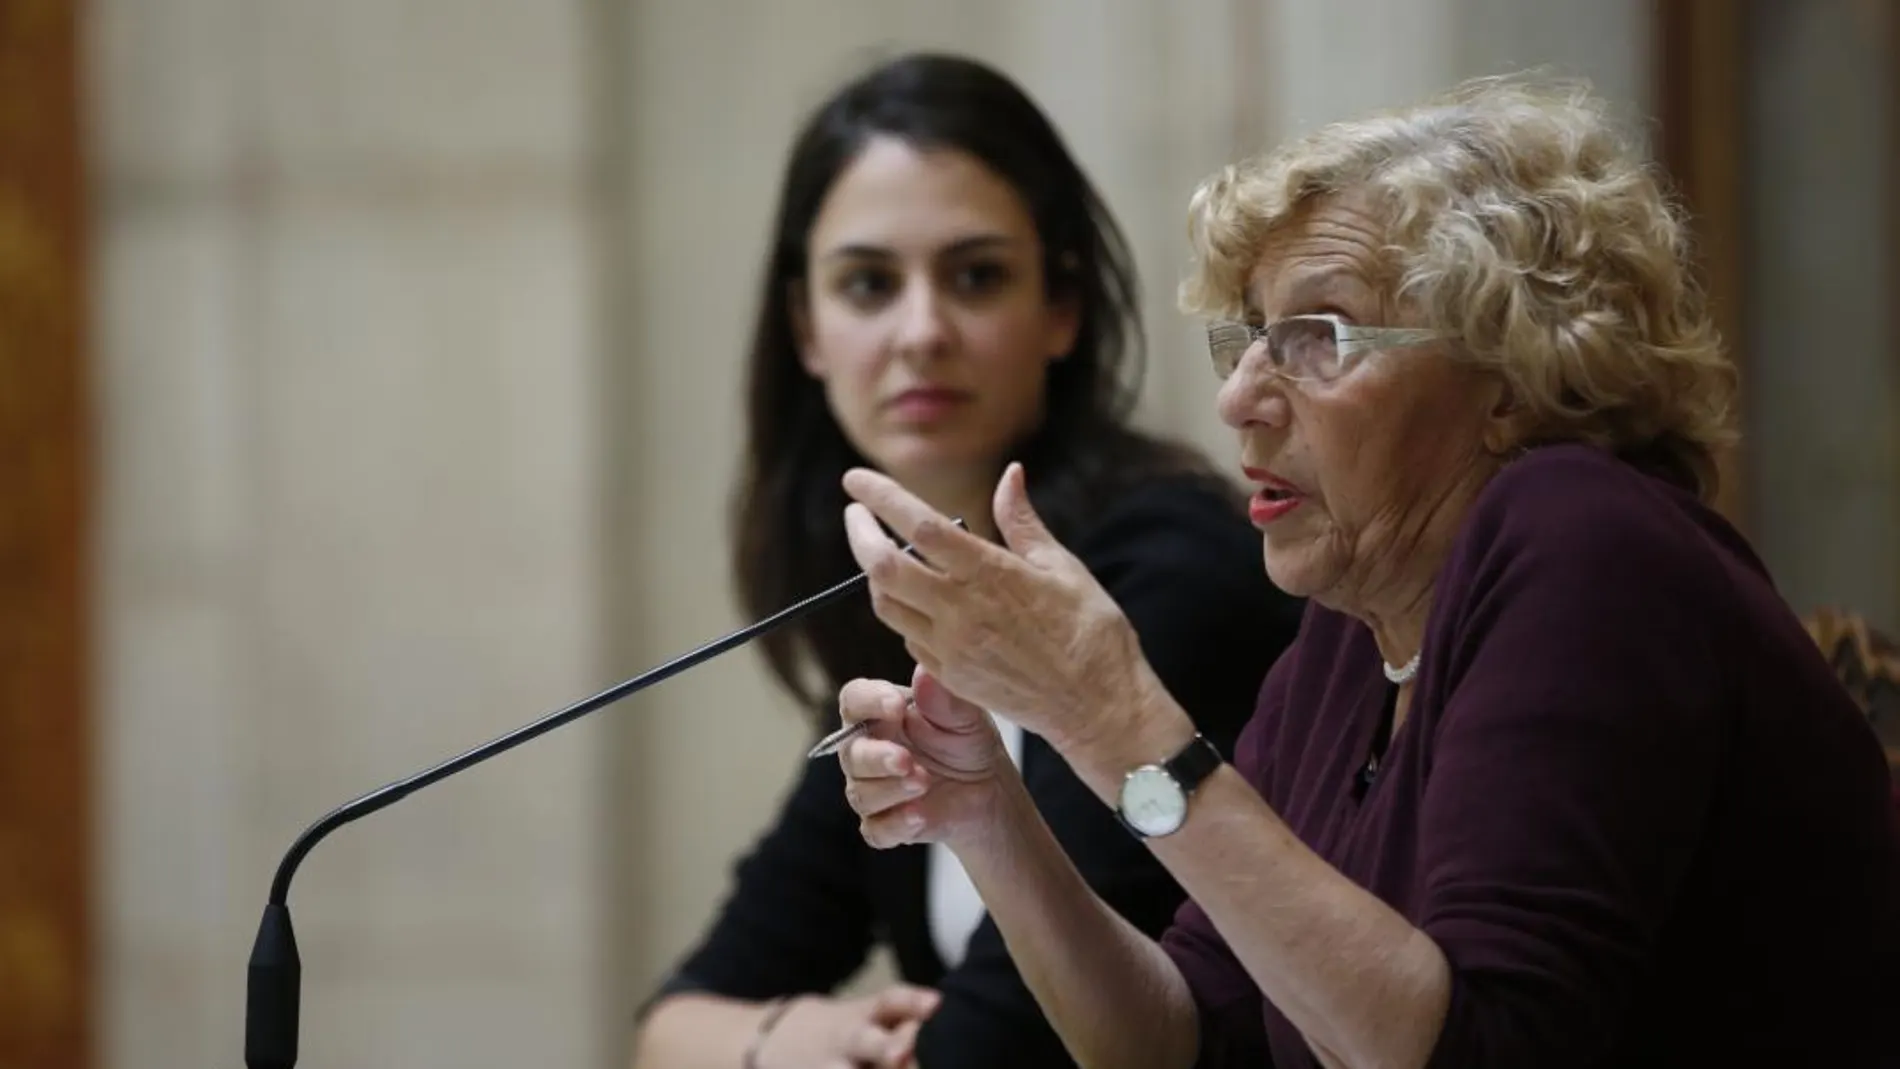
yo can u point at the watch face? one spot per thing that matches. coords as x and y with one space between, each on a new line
1152 802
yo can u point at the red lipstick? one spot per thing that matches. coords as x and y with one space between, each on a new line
1274 499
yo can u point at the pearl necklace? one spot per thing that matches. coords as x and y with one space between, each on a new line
1402 674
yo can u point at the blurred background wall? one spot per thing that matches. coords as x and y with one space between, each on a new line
414 378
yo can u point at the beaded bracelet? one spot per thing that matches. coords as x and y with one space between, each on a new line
773 1011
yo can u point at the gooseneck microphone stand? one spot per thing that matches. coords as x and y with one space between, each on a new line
276 972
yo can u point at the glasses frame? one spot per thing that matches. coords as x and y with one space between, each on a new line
1350 340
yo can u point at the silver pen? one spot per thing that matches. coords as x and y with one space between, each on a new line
835 741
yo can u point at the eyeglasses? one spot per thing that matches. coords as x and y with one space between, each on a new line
1307 348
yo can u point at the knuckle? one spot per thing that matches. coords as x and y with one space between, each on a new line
885 567
851 756
862 697
885 607
888 829
932 531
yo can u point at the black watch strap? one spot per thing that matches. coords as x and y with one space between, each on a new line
1196 761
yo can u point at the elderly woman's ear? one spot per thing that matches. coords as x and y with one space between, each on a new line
1510 425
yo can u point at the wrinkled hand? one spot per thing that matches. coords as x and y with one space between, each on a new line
1023 630
878 1031
929 767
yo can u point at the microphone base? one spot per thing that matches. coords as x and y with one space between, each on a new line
272 992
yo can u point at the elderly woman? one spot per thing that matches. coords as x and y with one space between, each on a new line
1551 776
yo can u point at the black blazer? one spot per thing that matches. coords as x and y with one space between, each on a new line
811 898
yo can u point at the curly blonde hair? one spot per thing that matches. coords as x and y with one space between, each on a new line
1521 223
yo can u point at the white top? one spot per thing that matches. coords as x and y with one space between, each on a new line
950 899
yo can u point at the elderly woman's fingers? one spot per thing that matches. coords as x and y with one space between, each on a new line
876 759
879 773
933 535
902 587
879 701
873 548
892 827
881 789
910 624
889 579
1017 521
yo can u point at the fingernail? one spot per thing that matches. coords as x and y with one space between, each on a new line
913 821
894 764
913 787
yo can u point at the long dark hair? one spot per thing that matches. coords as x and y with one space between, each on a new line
788 506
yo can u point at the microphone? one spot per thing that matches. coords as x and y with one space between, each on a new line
276 972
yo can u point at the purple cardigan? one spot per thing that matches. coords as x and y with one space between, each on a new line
1629 802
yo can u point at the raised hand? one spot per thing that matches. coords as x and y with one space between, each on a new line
1022 628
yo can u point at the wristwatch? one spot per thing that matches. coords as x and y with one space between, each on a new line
1154 797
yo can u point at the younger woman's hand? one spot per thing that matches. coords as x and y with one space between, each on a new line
877 1031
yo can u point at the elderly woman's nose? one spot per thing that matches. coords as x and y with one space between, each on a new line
1250 396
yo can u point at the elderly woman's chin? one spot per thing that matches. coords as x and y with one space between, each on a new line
1297 565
